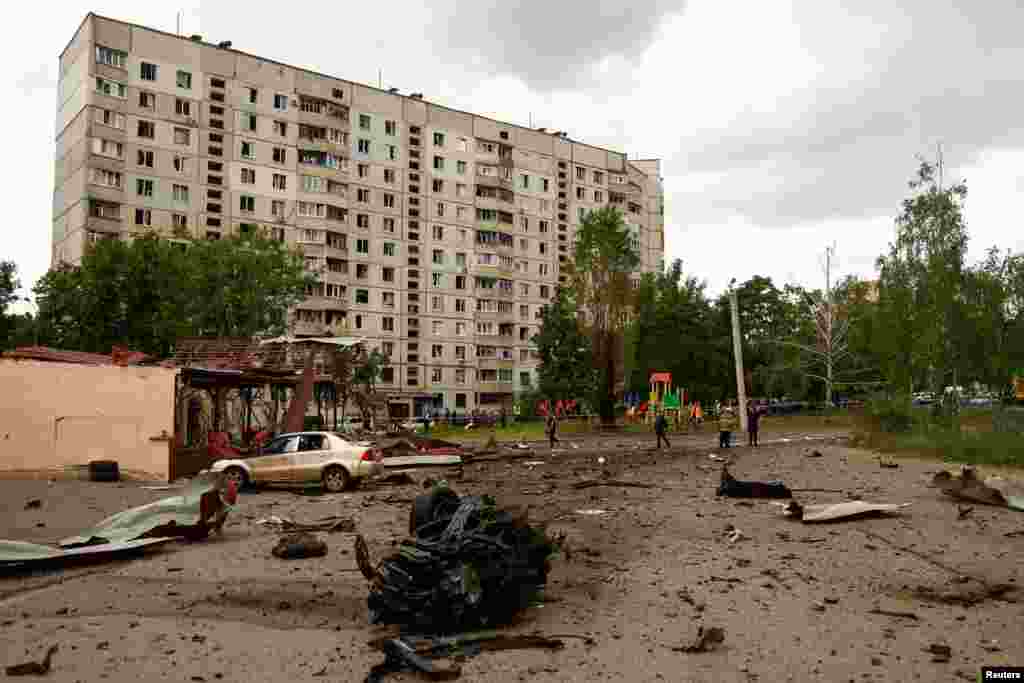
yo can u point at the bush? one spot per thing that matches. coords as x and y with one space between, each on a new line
890 415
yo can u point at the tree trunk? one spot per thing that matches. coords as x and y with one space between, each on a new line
608 398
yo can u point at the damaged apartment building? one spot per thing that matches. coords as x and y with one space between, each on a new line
437 235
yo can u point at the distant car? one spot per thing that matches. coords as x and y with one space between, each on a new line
305 458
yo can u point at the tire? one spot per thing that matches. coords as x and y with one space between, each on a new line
239 475
104 470
424 507
336 479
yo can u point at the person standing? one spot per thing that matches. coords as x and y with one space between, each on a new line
660 428
754 414
552 429
504 417
724 426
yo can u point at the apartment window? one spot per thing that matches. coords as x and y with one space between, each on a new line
437 350
581 173
184 80
108 148
524 181
147 71
460 282
277 208
247 203
545 184
598 196
248 150
145 158
280 154
143 187
387 323
580 213
460 167
439 163
147 129
435 375
462 235
542 227
362 271
598 178
143 217
364 146
280 102
364 122
387 274
254 95
460 329
390 128
580 193
390 249
362 220
388 225
182 136
111 57
439 139
542 269
389 200
110 118
438 185
279 181
179 221
436 327
542 247
147 100
544 292
102 176
362 296
438 256
363 170
440 209
248 176
389 176
363 195
524 289
438 232
392 153
180 193
524 312
362 246
182 107
281 128
249 121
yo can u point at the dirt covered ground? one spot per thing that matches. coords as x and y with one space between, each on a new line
643 570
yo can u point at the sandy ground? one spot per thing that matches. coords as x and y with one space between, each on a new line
795 600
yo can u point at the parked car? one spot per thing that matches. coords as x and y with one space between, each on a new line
305 458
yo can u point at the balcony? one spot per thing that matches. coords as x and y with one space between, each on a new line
324 303
316 111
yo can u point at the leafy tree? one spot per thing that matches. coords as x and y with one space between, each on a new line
148 292
9 285
365 376
566 362
921 281
603 263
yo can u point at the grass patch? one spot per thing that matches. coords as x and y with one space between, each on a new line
969 439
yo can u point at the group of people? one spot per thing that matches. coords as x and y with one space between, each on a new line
728 422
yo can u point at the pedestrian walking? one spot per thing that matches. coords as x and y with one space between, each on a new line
660 428
754 414
552 429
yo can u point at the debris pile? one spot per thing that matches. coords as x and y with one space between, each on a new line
967 486
471 564
734 488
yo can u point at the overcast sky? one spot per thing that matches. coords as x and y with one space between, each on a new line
783 126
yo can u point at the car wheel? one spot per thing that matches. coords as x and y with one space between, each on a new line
237 475
336 479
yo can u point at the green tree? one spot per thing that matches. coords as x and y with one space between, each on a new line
148 292
601 275
9 285
365 376
921 282
566 362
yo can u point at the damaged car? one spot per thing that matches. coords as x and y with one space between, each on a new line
304 458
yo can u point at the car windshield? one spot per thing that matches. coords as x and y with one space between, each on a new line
311 442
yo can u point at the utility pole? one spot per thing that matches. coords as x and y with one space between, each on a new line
737 348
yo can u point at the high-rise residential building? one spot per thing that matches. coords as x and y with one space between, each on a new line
437 234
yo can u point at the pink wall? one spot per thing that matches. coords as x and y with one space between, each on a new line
57 414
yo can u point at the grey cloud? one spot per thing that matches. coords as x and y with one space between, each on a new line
550 45
847 146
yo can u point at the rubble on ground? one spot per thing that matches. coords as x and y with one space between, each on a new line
734 488
967 486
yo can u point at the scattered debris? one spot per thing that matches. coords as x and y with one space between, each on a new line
33 668
735 488
967 486
591 512
732 534
818 607
814 454
706 641
940 653
590 483
717 458
601 460
397 478
470 564
839 511
328 524
963 511
990 646
888 463
892 613
534 463
966 598
1014 534
33 504
299 546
